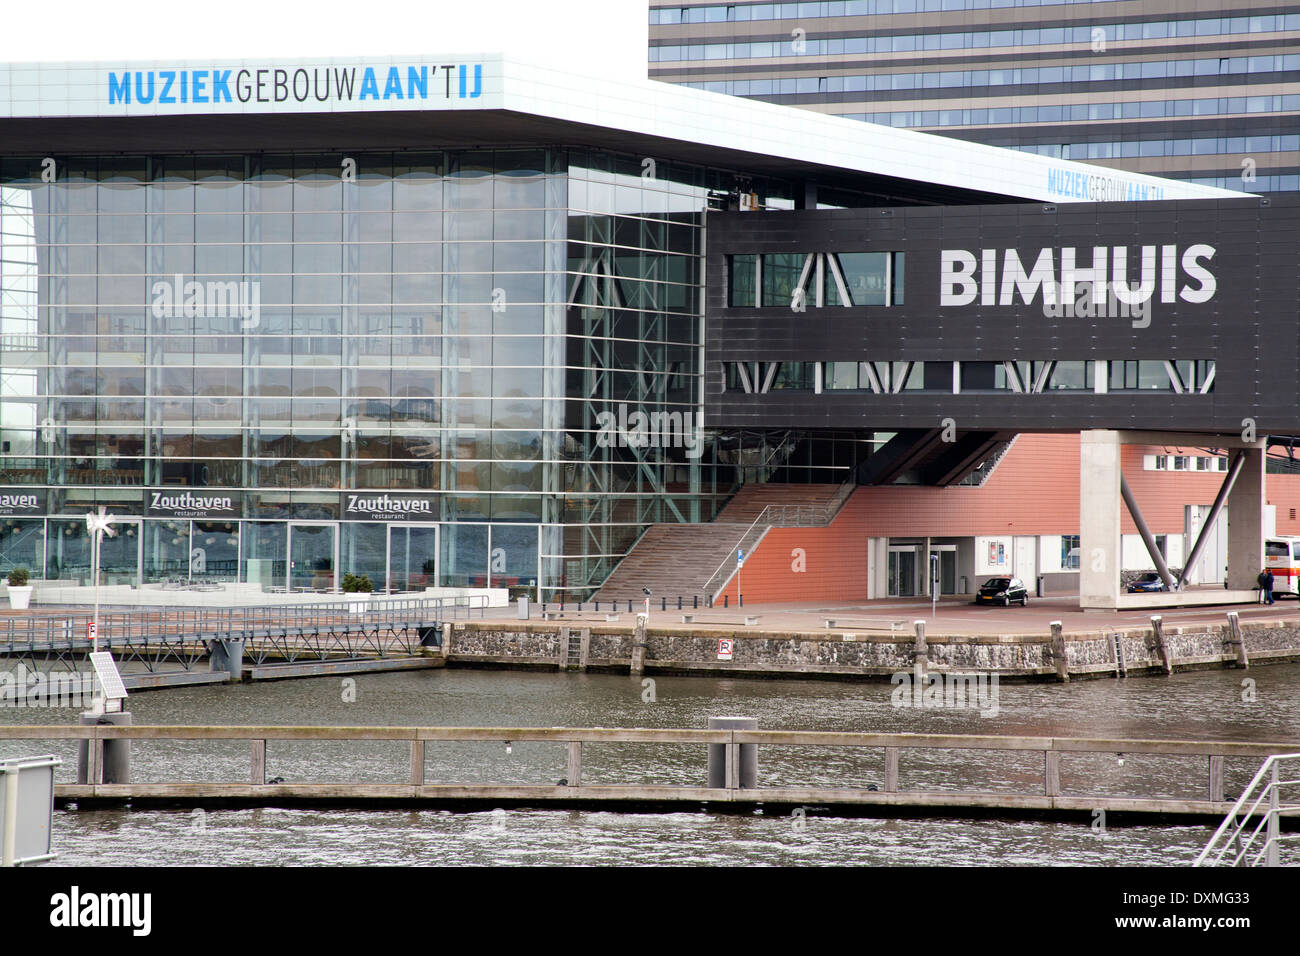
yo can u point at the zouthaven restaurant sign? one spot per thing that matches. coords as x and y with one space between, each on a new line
383 506
168 503
21 502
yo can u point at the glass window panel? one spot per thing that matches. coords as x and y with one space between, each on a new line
464 555
864 274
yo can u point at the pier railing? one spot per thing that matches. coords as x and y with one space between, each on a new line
1251 833
1049 797
179 635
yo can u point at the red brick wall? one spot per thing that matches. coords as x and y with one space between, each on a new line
1034 490
835 557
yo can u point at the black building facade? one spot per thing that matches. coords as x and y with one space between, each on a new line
1027 317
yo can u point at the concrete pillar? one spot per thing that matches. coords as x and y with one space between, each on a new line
1099 517
745 762
113 765
227 654
1246 523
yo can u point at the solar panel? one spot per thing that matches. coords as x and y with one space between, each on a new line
109 678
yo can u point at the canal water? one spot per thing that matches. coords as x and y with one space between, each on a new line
1259 704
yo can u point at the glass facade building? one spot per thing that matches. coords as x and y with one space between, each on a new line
462 344
418 366
1206 94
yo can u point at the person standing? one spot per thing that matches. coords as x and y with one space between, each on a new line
1268 586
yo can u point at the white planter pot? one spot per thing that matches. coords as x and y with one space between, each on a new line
20 598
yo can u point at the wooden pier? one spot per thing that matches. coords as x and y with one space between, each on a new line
892 798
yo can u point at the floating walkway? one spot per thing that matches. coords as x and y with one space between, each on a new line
739 753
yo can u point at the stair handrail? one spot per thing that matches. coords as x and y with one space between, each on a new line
768 519
710 589
809 515
1230 831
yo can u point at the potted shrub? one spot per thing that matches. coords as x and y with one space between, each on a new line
20 592
359 589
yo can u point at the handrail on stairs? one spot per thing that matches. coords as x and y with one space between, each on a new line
777 516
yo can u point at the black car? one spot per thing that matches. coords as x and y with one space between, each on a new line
1002 591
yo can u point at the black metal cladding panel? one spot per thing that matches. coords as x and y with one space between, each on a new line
1250 327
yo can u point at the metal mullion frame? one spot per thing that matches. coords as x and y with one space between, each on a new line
1175 378
1013 375
802 284
899 380
1044 374
833 264
872 379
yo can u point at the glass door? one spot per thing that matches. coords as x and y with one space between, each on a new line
943 561
412 557
902 572
313 557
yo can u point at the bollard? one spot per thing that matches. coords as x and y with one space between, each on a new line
726 600
920 651
679 602
1162 646
733 766
1058 653
1235 641
629 605
663 604
112 763
638 646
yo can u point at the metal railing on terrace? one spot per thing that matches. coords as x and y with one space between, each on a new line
360 626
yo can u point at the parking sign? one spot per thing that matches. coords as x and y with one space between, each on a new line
724 648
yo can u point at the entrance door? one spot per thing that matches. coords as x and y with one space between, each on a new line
902 572
946 567
1027 560
412 557
313 557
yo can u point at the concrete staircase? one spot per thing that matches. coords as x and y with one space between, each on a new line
679 559
751 500
671 560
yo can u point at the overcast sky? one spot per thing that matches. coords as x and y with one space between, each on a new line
601 37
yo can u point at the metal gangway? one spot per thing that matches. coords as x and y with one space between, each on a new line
1251 834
